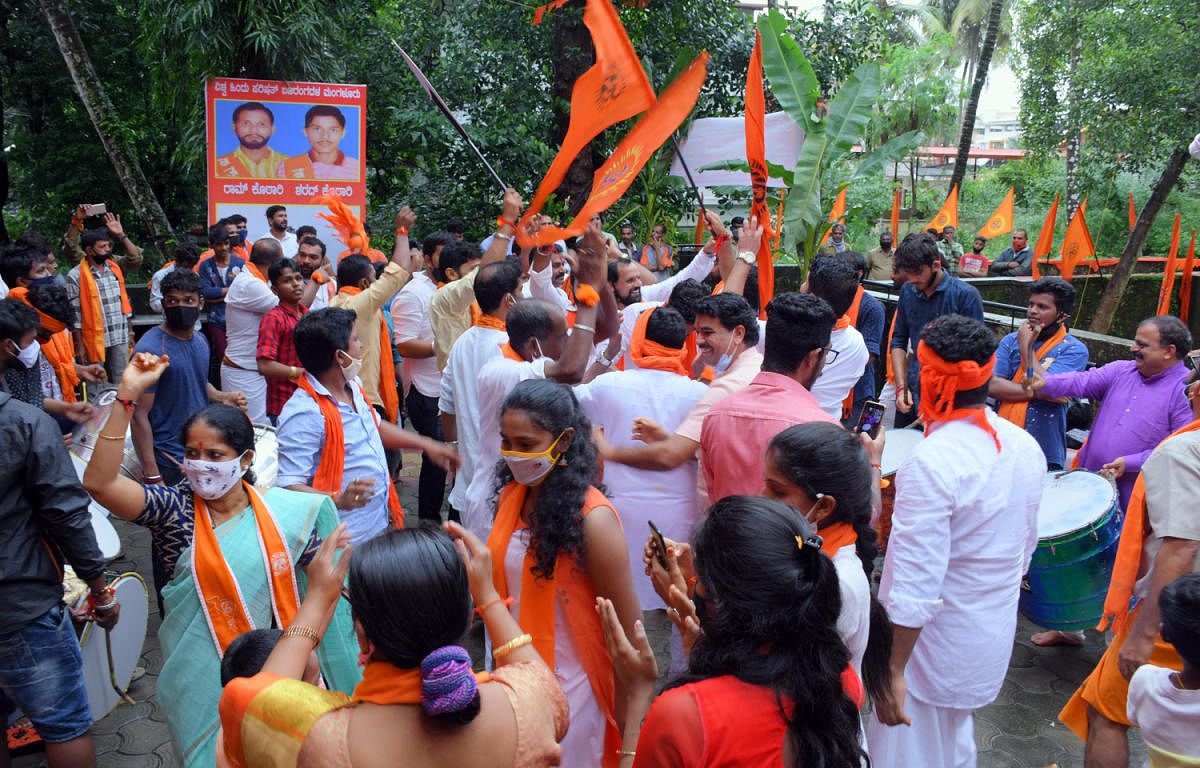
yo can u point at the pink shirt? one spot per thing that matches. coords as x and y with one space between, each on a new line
737 430
741 371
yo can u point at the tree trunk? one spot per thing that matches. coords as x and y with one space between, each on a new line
1075 143
573 55
981 72
4 236
1133 246
104 118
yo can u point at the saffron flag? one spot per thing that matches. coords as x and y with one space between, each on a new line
756 158
1077 244
836 213
699 229
948 214
1001 222
1132 213
896 215
615 88
1168 279
1185 288
622 167
540 12
1045 241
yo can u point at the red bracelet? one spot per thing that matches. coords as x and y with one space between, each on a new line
130 405
877 466
402 232
506 600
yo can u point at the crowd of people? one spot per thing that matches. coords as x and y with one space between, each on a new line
655 496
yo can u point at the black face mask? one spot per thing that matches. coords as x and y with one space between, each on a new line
181 318
101 257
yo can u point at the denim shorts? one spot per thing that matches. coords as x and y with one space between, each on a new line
41 672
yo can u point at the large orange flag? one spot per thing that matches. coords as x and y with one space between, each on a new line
896 215
1132 213
1045 241
949 212
1168 280
618 172
1001 222
756 158
615 88
1077 244
1185 288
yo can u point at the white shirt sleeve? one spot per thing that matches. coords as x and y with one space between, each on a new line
251 294
541 286
446 400
301 434
408 316
156 296
701 265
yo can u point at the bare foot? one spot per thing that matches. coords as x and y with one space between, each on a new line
1056 637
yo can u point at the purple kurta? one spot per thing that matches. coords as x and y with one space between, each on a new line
1137 413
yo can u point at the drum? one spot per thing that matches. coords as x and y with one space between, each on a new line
128 636
84 436
266 456
897 447
1079 526
106 535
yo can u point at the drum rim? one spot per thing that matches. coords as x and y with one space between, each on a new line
1112 509
87 631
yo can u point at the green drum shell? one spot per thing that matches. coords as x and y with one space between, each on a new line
1069 575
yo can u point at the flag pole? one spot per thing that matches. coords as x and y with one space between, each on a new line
691 182
433 94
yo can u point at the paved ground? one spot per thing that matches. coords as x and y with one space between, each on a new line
1019 730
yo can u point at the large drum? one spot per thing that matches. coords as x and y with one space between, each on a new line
84 437
1079 525
108 666
106 535
897 447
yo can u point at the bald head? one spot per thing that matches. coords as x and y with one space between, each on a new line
265 252
536 328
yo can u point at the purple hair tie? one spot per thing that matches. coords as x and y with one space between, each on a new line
447 682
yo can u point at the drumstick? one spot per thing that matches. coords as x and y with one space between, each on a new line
112 675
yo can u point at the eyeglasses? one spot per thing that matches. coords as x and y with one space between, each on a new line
830 354
346 595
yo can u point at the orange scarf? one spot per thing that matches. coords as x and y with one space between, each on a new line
651 354
385 683
1017 410
842 323
488 321
59 350
851 318
887 362
328 476
578 598
221 598
254 270
92 313
836 536
387 364
507 350
941 381
1129 551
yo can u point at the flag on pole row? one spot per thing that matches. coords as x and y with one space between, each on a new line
1045 241
1001 222
896 215
1168 279
756 158
1077 244
948 214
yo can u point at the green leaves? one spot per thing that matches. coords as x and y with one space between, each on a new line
792 79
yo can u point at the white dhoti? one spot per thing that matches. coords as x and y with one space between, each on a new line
939 737
251 384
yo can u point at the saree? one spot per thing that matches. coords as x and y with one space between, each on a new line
189 685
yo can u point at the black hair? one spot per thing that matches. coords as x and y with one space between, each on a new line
555 523
52 300
187 255
1062 291
231 423
736 221
978 238
17 319
235 219
320 334
247 654
218 233
314 240
37 241
430 244
750 291
838 226
667 327
276 270
835 281
493 282
455 227
1172 332
274 209
265 251
254 106
528 319
92 236
768 614
409 590
797 323
305 230
353 269
1179 606
1024 234
324 110
182 280
379 267
454 255
16 262
890 235
731 311
855 261
614 268
917 250
684 296
955 338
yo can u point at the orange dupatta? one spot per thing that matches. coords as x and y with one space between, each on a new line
92 313
254 270
59 350
651 354
1129 551
328 476
487 321
578 598
1017 410
221 598
387 364
852 316
942 380
836 536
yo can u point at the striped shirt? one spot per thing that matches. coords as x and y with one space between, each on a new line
116 327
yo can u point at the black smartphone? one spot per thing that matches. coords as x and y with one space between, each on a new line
1193 361
871 418
662 545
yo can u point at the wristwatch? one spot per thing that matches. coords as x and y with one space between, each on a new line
603 360
748 257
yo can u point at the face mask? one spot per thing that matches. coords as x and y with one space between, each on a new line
101 257
213 479
44 281
28 357
351 371
241 237
726 360
538 345
531 468
181 318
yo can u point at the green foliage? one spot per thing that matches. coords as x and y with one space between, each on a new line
918 92
849 33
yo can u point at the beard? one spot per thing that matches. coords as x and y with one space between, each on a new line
307 272
256 143
633 297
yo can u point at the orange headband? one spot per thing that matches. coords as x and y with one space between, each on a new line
941 381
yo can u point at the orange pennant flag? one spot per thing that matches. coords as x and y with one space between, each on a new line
622 167
699 230
896 215
756 158
1045 241
1077 244
948 214
1185 288
1001 222
1168 280
1132 213
836 213
615 88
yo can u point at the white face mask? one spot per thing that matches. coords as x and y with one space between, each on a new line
726 360
531 468
213 479
538 345
351 371
29 355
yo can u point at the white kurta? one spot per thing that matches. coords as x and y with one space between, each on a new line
460 396
840 376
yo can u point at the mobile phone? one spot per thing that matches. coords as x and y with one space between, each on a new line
662 545
871 418
1193 361
95 209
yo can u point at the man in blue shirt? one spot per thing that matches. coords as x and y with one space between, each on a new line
1051 300
869 322
929 291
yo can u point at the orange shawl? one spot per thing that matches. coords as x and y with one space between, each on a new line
1017 410
220 596
574 589
651 354
328 476
851 318
1129 551
836 536
941 381
387 364
92 313
59 350
253 269
487 321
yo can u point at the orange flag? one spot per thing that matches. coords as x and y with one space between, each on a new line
1168 280
836 213
618 172
949 212
615 88
896 215
756 158
1045 241
1077 244
699 230
1001 222
1185 288
1132 213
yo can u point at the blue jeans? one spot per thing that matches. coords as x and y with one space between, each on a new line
41 671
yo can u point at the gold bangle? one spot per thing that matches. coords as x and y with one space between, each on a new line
512 645
110 437
628 753
298 630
